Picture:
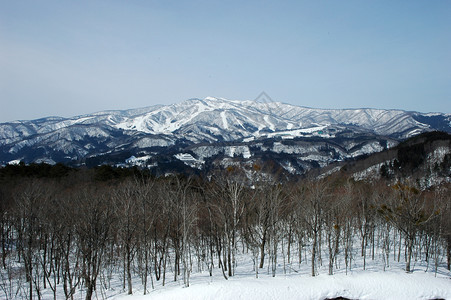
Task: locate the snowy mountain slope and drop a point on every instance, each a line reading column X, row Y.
column 249, row 118
column 194, row 121
column 424, row 159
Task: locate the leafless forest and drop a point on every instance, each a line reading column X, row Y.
column 78, row 230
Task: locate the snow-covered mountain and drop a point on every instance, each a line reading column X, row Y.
column 197, row 122
column 424, row 159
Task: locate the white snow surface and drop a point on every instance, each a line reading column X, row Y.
column 357, row 286
column 370, row 284
column 231, row 115
column 375, row 282
column 291, row 281
column 14, row 162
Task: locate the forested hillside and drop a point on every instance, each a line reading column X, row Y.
column 69, row 230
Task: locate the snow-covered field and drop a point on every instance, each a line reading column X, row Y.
column 372, row 283
column 297, row 283
column 358, row 285
column 292, row 281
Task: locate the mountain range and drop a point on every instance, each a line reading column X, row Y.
column 201, row 134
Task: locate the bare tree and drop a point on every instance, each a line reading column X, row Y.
column 335, row 218
column 313, row 206
column 407, row 211
column 125, row 199
column 29, row 200
column 229, row 191
column 365, row 218
column 94, row 218
column 147, row 212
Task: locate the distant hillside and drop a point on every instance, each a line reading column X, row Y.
column 425, row 158
column 211, row 127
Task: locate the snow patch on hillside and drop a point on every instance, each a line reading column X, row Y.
column 152, row 142
column 438, row 155
column 243, row 151
column 224, row 120
column 372, row 172
column 368, row 149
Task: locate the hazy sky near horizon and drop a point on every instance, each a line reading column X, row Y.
column 67, row 58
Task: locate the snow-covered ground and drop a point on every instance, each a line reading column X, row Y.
column 358, row 285
column 293, row 283
column 297, row 283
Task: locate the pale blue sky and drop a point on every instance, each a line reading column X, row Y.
column 74, row 57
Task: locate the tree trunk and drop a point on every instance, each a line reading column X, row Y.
column 448, row 252
column 331, row 255
column 409, row 254
column 289, row 245
column 314, row 253
column 262, row 250
column 146, row 265
column 229, row 260
column 89, row 291
column 129, row 273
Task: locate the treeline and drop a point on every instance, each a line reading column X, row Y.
column 80, row 229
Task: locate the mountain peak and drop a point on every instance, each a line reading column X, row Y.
column 209, row 98
column 207, row 120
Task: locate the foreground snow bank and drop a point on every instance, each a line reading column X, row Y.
column 356, row 285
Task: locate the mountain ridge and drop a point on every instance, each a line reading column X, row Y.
column 150, row 130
